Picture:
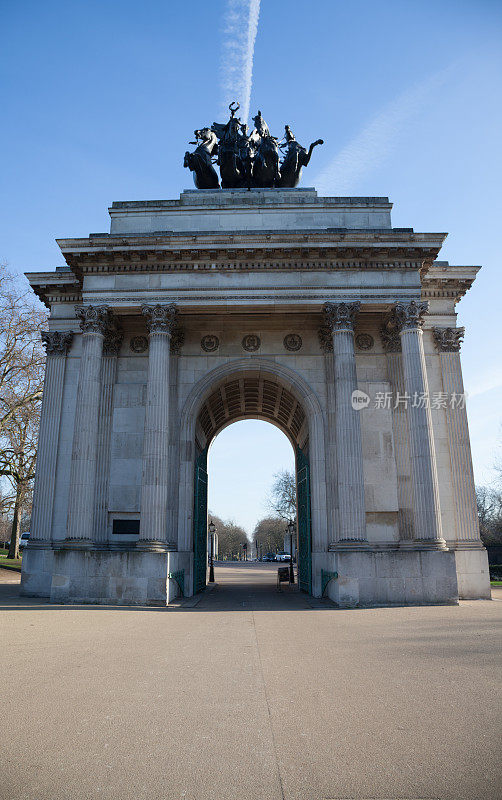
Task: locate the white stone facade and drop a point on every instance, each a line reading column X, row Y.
column 269, row 304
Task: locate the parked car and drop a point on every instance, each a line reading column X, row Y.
column 23, row 539
column 269, row 557
column 282, row 557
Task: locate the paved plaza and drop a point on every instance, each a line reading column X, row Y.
column 248, row 694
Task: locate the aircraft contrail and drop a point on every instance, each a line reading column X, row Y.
column 239, row 35
column 370, row 148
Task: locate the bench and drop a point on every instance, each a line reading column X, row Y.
column 282, row 576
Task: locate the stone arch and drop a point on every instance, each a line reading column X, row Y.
column 312, row 427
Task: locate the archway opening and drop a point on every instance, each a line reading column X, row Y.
column 258, row 397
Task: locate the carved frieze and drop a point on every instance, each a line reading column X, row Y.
column 160, row 318
column 57, row 343
column 448, row 340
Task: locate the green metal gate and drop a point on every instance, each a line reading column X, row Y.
column 304, row 521
column 200, row 523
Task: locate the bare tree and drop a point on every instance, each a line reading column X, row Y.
column 22, row 359
column 268, row 535
column 231, row 537
column 489, row 514
column 282, row 499
column 17, row 463
column 22, row 356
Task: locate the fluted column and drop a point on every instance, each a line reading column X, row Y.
column 111, row 347
column 161, row 321
column 448, row 342
column 391, row 342
column 339, row 321
column 57, row 344
column 408, row 318
column 95, row 320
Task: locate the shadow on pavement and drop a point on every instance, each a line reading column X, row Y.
column 238, row 587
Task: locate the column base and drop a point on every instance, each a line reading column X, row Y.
column 467, row 544
column 74, row 544
column 423, row 544
column 153, row 546
column 352, row 545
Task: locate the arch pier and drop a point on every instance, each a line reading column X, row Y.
column 311, row 313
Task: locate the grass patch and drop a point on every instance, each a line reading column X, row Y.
column 12, row 563
column 496, row 583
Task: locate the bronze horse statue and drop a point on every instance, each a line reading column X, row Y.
column 200, row 162
column 295, row 159
column 246, row 161
column 232, row 150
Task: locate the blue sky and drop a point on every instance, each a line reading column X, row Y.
column 100, row 99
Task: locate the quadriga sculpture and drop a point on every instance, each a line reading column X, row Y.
column 246, row 161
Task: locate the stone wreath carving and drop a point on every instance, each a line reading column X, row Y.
column 293, row 342
column 138, row 344
column 209, row 343
column 251, row 343
column 364, row 341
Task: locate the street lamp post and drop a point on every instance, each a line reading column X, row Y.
column 212, row 531
column 291, row 528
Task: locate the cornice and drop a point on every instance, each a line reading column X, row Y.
column 169, row 240
column 56, row 287
column 446, row 280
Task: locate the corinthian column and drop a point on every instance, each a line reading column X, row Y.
column 161, row 321
column 339, row 322
column 408, row 318
column 111, row 347
column 94, row 322
column 391, row 342
column 448, row 341
column 57, row 344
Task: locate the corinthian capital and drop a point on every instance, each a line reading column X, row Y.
column 160, row 319
column 340, row 316
column 448, row 340
column 409, row 315
column 57, row 343
column 113, row 338
column 391, row 341
column 93, row 319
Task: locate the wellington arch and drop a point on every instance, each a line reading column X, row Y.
column 312, row 313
